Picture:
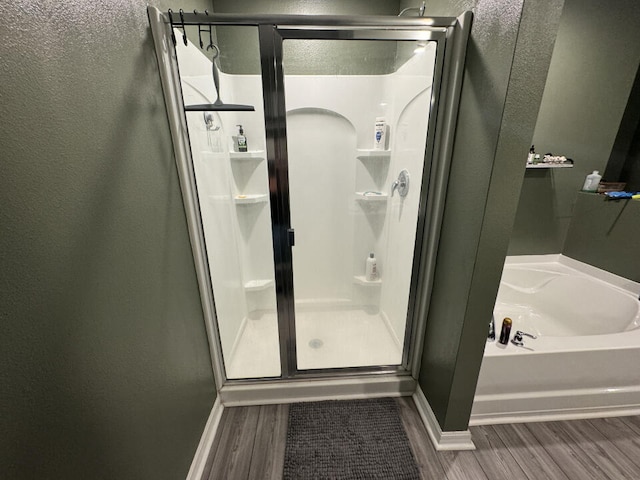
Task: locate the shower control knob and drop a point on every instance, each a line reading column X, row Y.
column 401, row 184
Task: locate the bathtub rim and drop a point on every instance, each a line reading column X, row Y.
column 622, row 283
column 629, row 338
column 602, row 395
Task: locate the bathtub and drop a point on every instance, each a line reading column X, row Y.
column 585, row 361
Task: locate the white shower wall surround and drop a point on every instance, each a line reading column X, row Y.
column 330, row 119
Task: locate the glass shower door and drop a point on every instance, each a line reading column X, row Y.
column 357, row 120
column 233, row 193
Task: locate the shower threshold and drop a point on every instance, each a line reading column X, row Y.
column 326, row 338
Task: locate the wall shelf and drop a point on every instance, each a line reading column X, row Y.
column 250, row 199
column 257, row 285
column 360, row 196
column 367, row 154
column 257, row 155
column 549, row 165
column 362, row 280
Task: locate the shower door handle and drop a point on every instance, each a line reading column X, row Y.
column 291, row 237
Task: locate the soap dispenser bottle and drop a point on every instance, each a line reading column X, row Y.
column 372, row 268
column 241, row 140
column 591, row 182
column 532, row 154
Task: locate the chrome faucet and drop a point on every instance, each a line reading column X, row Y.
column 518, row 339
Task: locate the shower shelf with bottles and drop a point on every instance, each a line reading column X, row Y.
column 373, row 154
column 256, row 155
column 362, row 280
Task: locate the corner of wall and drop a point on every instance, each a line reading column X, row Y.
column 493, row 135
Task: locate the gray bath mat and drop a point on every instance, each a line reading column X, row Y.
column 349, row 439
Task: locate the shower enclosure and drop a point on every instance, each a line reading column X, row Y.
column 282, row 230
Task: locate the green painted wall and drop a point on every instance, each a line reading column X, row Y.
column 592, row 70
column 104, row 362
column 239, row 53
column 605, row 233
column 497, row 115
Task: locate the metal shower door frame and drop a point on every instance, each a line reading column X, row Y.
column 451, row 35
column 271, row 52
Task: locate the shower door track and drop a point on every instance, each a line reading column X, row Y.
column 451, row 35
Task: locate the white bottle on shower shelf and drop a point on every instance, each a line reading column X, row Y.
column 372, row 269
column 591, row 182
column 381, row 134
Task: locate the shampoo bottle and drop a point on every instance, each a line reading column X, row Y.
column 372, row 268
column 591, row 182
column 505, row 332
column 381, row 134
column 241, row 140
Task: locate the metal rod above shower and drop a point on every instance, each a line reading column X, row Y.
column 351, row 21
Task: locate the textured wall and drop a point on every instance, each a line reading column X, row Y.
column 499, row 100
column 104, row 362
column 592, row 70
column 309, row 57
column 605, row 233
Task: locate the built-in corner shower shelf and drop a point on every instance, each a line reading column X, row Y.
column 256, row 155
column 371, row 196
column 362, row 280
column 367, row 154
column 257, row 285
column 250, row 199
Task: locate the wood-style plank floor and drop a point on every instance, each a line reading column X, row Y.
column 250, row 444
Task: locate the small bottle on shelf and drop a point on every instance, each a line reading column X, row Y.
column 241, row 140
column 591, row 182
column 532, row 153
column 372, row 269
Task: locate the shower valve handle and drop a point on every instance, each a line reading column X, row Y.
column 401, row 184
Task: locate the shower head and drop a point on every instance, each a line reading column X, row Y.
column 420, row 10
column 218, row 105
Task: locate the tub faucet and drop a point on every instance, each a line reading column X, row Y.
column 518, row 338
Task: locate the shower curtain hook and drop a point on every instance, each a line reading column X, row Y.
column 173, row 35
column 195, row 12
column 184, row 30
column 200, row 35
column 214, row 46
column 211, row 44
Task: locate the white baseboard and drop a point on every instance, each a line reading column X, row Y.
column 314, row 390
column 555, row 405
column 206, row 440
column 441, row 440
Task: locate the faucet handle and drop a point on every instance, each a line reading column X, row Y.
column 521, row 334
column 394, row 186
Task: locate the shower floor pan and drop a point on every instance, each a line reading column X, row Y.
column 327, row 338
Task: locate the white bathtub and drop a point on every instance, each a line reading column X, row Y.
column 585, row 361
